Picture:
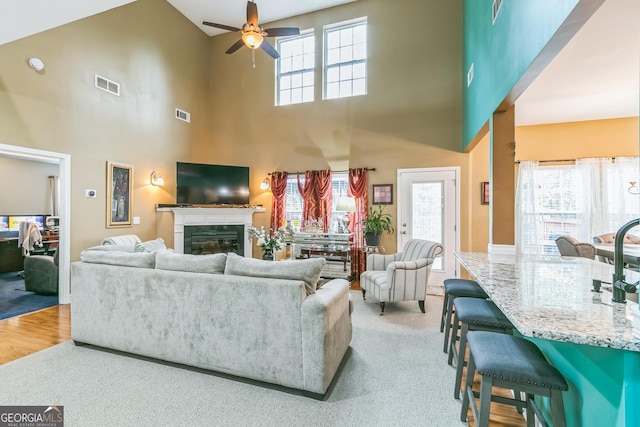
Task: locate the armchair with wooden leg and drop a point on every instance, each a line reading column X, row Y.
column 402, row 276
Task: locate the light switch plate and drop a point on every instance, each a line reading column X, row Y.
column 136, row 220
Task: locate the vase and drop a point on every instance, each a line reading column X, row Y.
column 372, row 239
column 267, row 255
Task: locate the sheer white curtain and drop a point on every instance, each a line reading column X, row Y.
column 528, row 227
column 620, row 206
column 591, row 187
column 582, row 200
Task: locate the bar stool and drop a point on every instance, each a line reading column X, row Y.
column 514, row 363
column 473, row 314
column 454, row 288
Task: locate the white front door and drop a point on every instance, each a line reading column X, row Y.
column 428, row 209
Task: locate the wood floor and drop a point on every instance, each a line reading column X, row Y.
column 32, row 332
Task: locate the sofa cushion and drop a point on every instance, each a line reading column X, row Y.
column 127, row 259
column 212, row 264
column 151, row 245
column 307, row 270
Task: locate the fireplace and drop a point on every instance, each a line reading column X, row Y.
column 213, row 239
column 229, row 226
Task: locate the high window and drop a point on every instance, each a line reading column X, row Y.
column 345, row 60
column 295, row 69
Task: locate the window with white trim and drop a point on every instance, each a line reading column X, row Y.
column 345, row 60
column 295, row 72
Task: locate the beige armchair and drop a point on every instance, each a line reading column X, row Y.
column 610, row 238
column 402, row 276
column 569, row 246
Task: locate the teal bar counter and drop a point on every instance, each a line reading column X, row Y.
column 550, row 300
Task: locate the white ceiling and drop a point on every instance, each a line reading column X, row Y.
column 596, row 76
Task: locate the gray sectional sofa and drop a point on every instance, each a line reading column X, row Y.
column 262, row 320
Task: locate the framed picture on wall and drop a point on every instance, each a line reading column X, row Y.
column 119, row 194
column 383, row 194
column 484, row 193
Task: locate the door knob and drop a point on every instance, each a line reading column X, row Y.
column 404, row 232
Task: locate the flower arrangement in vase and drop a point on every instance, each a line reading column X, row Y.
column 269, row 243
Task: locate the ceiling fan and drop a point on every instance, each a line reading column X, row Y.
column 253, row 34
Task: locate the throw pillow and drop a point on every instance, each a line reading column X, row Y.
column 151, row 245
column 128, row 259
column 211, row 264
column 307, row 270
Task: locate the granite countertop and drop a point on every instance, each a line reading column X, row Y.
column 551, row 297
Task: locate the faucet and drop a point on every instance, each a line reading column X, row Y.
column 620, row 287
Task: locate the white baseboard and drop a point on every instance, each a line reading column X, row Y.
column 501, row 249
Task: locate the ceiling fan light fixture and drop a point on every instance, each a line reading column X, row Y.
column 252, row 39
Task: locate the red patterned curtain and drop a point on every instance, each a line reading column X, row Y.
column 316, row 196
column 278, row 203
column 359, row 189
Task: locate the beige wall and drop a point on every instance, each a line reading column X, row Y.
column 478, row 231
column 25, row 187
column 596, row 138
column 411, row 116
column 161, row 61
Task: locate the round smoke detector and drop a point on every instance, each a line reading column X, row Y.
column 36, row 64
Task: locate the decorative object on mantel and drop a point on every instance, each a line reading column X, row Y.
column 119, row 194
column 633, row 188
column 376, row 223
column 269, row 243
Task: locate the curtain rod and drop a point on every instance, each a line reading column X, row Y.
column 345, row 171
column 565, row 160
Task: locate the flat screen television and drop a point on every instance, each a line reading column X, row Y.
column 202, row 184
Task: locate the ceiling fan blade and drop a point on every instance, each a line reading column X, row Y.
column 266, row 46
column 252, row 14
column 285, row 31
column 237, row 45
column 221, row 26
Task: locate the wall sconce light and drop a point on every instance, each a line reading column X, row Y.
column 633, row 188
column 156, row 179
column 265, row 184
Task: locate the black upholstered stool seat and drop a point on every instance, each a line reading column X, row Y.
column 473, row 314
column 454, row 288
column 515, row 363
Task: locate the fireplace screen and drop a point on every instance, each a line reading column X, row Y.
column 213, row 239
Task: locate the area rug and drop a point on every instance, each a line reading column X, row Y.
column 15, row 300
column 394, row 374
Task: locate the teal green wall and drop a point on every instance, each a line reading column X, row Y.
column 604, row 383
column 503, row 51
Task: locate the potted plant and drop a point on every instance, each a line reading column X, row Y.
column 376, row 223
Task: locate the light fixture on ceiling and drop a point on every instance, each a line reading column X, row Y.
column 252, row 38
column 265, row 184
column 346, row 205
column 36, row 64
column 156, row 179
column 633, row 188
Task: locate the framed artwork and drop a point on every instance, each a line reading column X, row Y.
column 119, row 195
column 484, row 193
column 383, row 194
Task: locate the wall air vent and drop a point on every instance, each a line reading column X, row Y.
column 183, row 115
column 495, row 8
column 470, row 74
column 107, row 85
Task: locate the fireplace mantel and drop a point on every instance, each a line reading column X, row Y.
column 211, row 216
